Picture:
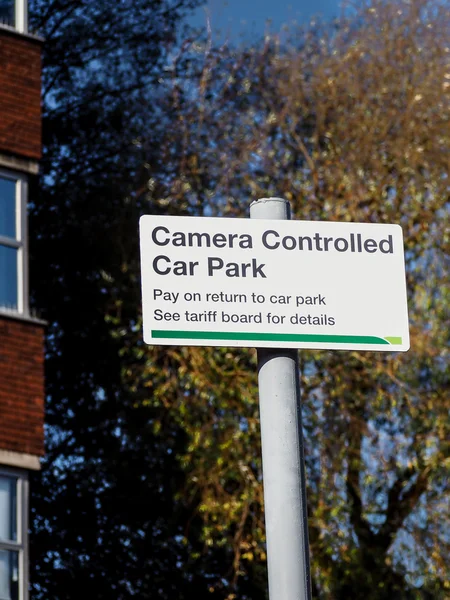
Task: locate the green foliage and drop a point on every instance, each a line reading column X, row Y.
column 106, row 521
column 155, row 451
column 348, row 124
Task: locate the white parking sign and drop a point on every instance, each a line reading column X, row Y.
column 261, row 283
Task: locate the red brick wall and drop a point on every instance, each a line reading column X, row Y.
column 21, row 386
column 20, row 95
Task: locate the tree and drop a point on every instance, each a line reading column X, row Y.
column 348, row 123
column 105, row 515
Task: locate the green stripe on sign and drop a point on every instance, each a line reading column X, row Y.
column 268, row 337
column 394, row 340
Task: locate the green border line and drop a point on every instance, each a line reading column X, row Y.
column 394, row 340
column 270, row 337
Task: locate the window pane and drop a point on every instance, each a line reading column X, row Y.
column 7, row 12
column 8, row 508
column 8, row 277
column 9, row 575
column 7, row 205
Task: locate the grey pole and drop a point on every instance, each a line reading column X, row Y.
column 282, row 456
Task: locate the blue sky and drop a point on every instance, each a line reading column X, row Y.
column 235, row 18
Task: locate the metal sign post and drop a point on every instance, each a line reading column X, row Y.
column 269, row 282
column 282, row 455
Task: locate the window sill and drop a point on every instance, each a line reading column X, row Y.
column 20, row 460
column 24, row 165
column 23, row 34
column 17, row 316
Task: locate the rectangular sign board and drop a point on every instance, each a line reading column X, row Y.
column 273, row 283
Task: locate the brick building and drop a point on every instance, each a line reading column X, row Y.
column 21, row 335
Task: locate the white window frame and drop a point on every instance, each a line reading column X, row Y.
column 20, row 15
column 21, row 545
column 20, row 241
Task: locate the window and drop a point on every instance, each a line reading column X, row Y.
column 7, row 16
column 13, row 536
column 14, row 13
column 13, row 292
